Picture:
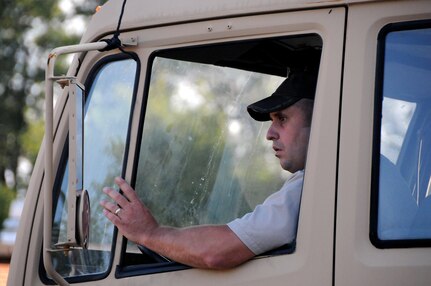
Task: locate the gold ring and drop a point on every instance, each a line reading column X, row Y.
column 117, row 211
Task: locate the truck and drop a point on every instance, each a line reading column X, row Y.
column 157, row 93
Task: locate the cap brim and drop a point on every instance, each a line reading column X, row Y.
column 261, row 109
column 297, row 86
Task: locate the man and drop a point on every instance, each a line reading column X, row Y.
column 270, row 225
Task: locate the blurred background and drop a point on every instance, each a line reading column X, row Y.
column 29, row 29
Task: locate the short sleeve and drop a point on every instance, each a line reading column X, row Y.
column 274, row 222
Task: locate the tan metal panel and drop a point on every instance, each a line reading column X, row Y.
column 357, row 261
column 165, row 12
column 311, row 264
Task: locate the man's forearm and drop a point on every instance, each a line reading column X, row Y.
column 211, row 247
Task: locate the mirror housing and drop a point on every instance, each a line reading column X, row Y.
column 48, row 179
column 78, row 202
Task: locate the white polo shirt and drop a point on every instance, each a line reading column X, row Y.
column 274, row 222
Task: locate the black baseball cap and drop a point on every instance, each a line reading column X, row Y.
column 298, row 85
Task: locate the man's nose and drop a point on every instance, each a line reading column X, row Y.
column 271, row 134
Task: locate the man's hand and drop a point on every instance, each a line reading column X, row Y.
column 202, row 246
column 133, row 219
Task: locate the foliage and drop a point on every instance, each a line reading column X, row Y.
column 17, row 76
column 31, row 139
column 6, row 197
column 30, row 28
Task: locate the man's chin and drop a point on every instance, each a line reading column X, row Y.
column 285, row 165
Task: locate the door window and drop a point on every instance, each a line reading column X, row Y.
column 107, row 113
column 202, row 158
column 403, row 203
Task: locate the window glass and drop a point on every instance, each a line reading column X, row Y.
column 404, row 202
column 395, row 122
column 203, row 159
column 106, row 121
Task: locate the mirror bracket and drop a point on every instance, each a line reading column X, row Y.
column 80, row 198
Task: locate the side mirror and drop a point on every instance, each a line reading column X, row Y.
column 76, row 164
column 78, row 202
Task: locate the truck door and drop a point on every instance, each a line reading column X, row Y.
column 196, row 157
column 383, row 208
column 170, row 116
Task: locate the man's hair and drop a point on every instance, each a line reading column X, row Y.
column 306, row 106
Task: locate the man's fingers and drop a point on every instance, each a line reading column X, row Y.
column 116, row 196
column 111, row 207
column 112, row 217
column 128, row 191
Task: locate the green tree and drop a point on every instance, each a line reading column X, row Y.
column 29, row 29
column 6, row 197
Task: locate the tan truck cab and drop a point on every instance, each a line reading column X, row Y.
column 166, row 109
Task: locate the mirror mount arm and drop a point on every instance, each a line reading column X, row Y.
column 49, row 139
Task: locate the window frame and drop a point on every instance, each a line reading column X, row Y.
column 64, row 158
column 376, row 145
column 128, row 267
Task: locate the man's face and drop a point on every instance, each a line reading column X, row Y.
column 289, row 133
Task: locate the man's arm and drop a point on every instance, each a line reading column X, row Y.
column 206, row 246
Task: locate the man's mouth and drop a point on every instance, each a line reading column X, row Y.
column 277, row 150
